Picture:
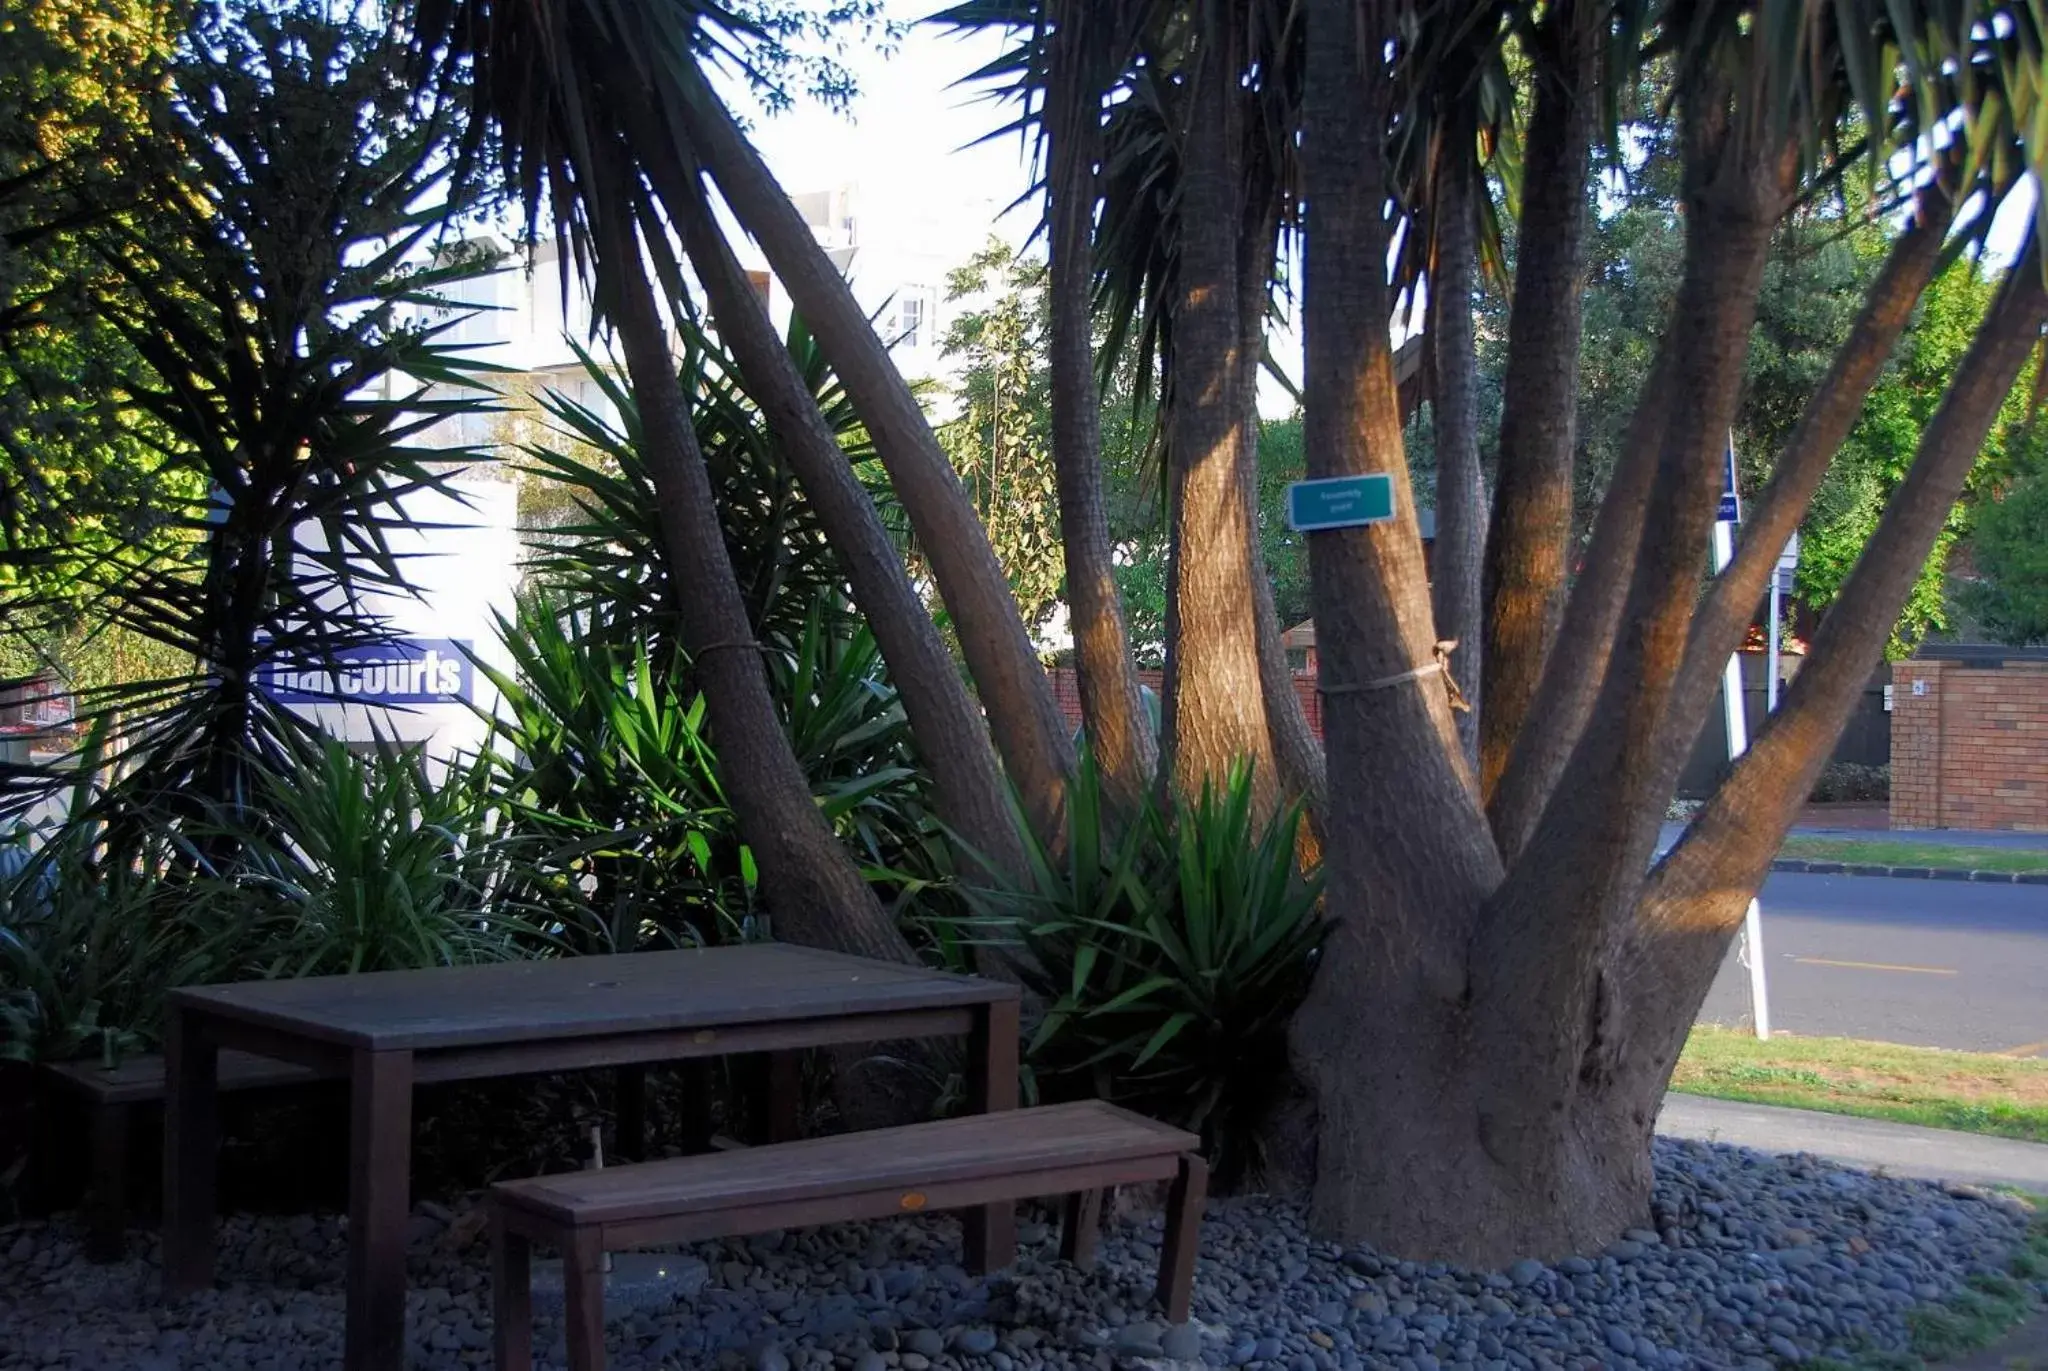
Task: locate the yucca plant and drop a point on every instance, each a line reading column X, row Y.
column 273, row 276
column 611, row 551
column 599, row 755
column 1170, row 947
column 88, row 946
column 366, row 861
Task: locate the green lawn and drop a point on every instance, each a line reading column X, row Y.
column 1975, row 1092
column 1907, row 852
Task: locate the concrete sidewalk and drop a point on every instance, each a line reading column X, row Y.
column 1895, row 1148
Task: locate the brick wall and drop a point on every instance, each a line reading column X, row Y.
column 1970, row 745
column 1067, row 690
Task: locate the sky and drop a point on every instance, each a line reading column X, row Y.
column 912, row 133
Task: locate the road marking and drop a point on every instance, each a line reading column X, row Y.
column 2026, row 1050
column 1878, row 966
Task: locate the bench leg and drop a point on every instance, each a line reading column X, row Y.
column 107, row 1200
column 511, row 1298
column 1079, row 1227
column 629, row 1102
column 1183, row 1236
column 583, row 1296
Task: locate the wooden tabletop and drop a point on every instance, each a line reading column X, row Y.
column 570, row 997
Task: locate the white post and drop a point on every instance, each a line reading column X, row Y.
column 1751, row 949
column 1771, row 681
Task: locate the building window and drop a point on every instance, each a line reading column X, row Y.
column 910, row 320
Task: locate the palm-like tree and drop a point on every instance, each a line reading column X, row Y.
column 583, row 101
column 1553, row 976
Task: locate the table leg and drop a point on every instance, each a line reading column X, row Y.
column 1080, row 1226
column 380, row 1177
column 191, row 1151
column 107, row 1204
column 785, row 1096
column 991, row 1231
column 693, row 1133
column 629, row 1101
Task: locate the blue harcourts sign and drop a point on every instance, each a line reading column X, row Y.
column 404, row 671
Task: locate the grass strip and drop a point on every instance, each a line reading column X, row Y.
column 1904, row 852
column 1971, row 1092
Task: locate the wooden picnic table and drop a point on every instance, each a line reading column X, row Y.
column 385, row 1032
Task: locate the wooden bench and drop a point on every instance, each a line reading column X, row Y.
column 110, row 1096
column 1076, row 1150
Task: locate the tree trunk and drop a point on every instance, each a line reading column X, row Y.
column 1126, row 747
column 1023, row 715
column 814, row 891
column 952, row 738
column 1458, row 556
column 1477, row 1015
column 1532, row 509
column 1408, row 859
column 1215, row 706
column 1297, row 753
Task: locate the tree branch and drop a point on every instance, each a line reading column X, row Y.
column 1023, row 715
column 1395, row 773
column 1537, row 958
column 1126, row 748
column 1707, row 877
column 1532, row 507
column 1831, row 412
column 1457, row 561
column 951, row 734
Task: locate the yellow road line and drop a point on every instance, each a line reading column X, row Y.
column 2026, row 1050
column 1878, row 966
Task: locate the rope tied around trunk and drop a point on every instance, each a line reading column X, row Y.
column 1441, row 666
column 734, row 645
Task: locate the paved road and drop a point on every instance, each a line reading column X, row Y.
column 1934, row 963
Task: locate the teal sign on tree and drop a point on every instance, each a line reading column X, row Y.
column 1340, row 502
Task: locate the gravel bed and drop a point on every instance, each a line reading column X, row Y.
column 1754, row 1261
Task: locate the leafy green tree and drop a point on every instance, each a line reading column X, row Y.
column 78, row 83
column 1880, row 451
column 1000, row 442
column 2009, row 592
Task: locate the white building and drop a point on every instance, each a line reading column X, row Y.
column 896, row 258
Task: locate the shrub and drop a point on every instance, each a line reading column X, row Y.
column 1852, row 782
column 1170, row 948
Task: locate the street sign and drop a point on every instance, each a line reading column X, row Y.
column 1731, row 503
column 1340, row 502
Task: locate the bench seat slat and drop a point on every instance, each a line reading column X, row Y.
column 919, row 1155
